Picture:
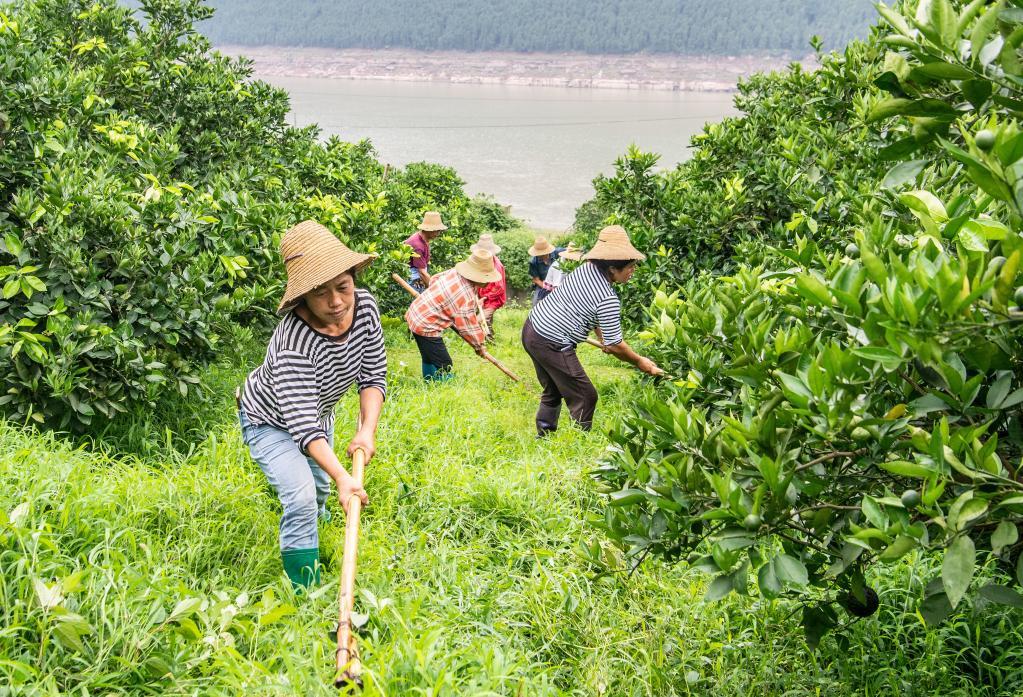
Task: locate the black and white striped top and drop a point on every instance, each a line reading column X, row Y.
column 306, row 372
column 584, row 300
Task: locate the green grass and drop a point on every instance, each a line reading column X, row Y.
column 468, row 571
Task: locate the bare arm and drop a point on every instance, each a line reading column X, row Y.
column 371, row 402
column 324, row 456
column 426, row 276
column 623, row 352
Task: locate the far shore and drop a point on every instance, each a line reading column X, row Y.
column 629, row 72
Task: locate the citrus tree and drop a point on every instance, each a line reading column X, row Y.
column 855, row 397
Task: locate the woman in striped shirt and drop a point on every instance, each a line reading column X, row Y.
column 584, row 302
column 329, row 339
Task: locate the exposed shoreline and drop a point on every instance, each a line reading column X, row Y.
column 628, row 72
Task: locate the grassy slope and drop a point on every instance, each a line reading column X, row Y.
column 467, row 556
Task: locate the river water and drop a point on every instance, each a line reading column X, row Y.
column 535, row 148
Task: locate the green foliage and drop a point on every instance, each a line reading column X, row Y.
column 144, row 184
column 797, row 161
column 160, row 574
column 594, row 26
column 821, row 385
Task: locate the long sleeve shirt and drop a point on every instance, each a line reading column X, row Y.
column 306, row 372
column 450, row 300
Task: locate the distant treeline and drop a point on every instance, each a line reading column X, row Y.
column 591, row 26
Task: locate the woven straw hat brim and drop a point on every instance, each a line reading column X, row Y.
column 440, row 227
column 540, row 250
column 613, row 244
column 492, row 248
column 467, row 270
column 331, row 267
column 313, row 256
column 572, row 254
column 614, row 252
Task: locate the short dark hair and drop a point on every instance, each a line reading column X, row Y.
column 606, row 265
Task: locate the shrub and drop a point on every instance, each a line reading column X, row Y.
column 144, row 185
column 847, row 405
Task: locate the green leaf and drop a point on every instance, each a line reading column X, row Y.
column 627, row 497
column 943, row 19
column 957, row 568
column 982, row 30
column 767, row 580
column 812, row 288
column 791, row 570
column 942, row 71
column 926, row 203
column 1005, row 535
column 888, row 359
column 907, row 469
column 69, row 637
column 184, row 608
column 718, row 589
column 896, row 550
column 972, row 240
column 903, row 173
column 1001, row 595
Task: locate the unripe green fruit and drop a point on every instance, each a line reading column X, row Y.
column 865, row 609
column 752, row 522
column 910, row 498
column 860, row 434
column 985, row 140
column 222, row 302
column 1018, row 297
column 852, row 251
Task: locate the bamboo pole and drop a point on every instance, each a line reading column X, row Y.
column 348, row 664
column 486, row 354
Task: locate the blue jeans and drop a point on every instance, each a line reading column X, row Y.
column 301, row 485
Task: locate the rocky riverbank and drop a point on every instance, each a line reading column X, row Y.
column 633, row 72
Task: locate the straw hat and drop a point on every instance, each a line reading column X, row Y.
column 432, row 222
column 572, row 253
column 487, row 242
column 540, row 247
column 479, row 267
column 313, row 256
column 613, row 244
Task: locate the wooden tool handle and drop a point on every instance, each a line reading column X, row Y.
column 346, row 594
column 404, row 284
column 501, row 366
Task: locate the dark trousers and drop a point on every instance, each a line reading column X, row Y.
column 436, row 359
column 562, row 377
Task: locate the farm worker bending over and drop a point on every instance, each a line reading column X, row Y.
column 429, row 229
column 494, row 295
column 543, row 254
column 555, row 276
column 584, row 302
column 451, row 300
column 329, row 339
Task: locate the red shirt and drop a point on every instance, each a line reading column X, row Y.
column 494, row 294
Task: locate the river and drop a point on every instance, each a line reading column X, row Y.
column 535, row 148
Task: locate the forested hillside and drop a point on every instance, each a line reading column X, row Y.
column 591, row 26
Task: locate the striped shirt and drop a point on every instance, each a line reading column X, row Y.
column 306, row 372
column 449, row 300
column 583, row 301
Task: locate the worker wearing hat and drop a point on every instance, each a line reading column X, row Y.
column 451, row 301
column 329, row 339
column 419, row 241
column 493, row 295
column 586, row 301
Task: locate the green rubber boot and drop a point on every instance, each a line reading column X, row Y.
column 302, row 566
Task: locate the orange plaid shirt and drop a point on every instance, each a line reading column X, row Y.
column 449, row 300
